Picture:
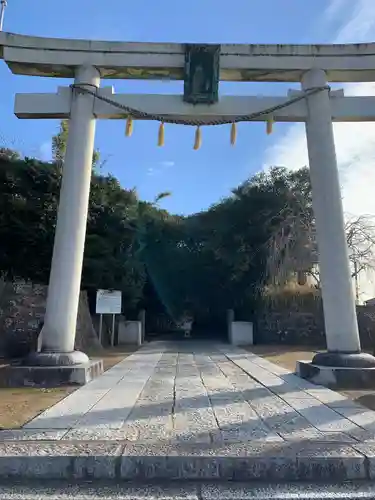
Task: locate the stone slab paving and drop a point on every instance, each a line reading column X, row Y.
column 195, row 411
column 61, row 490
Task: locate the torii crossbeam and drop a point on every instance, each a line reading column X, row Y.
column 57, row 106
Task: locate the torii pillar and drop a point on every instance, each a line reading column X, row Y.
column 58, row 333
column 343, row 343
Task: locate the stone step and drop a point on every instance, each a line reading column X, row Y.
column 302, row 461
column 188, row 491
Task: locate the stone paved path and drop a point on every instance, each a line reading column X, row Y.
column 61, row 490
column 200, row 393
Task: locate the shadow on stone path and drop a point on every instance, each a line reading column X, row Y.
column 202, row 393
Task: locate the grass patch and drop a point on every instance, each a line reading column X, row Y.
column 22, row 404
column 287, row 356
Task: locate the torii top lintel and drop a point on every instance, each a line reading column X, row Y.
column 58, row 57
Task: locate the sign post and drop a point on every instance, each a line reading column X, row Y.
column 100, row 328
column 108, row 302
column 113, row 330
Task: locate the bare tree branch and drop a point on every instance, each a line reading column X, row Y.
column 293, row 248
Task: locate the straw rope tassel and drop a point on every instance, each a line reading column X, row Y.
column 129, row 126
column 233, row 134
column 198, row 138
column 161, row 134
column 269, row 125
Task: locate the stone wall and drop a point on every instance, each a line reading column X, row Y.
column 306, row 327
column 366, row 324
column 22, row 308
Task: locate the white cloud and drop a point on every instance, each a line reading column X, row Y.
column 45, row 151
column 167, row 164
column 355, row 142
column 334, row 9
column 160, row 167
column 360, row 23
column 355, row 149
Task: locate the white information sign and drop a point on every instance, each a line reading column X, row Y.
column 108, row 302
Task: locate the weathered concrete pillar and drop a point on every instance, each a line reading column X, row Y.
column 59, row 328
column 142, row 319
column 230, row 319
column 335, row 275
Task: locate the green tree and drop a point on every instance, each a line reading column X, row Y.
column 206, row 263
column 9, row 154
column 59, row 143
column 28, row 202
column 111, row 259
column 29, row 193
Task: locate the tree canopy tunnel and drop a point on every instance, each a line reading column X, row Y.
column 183, row 279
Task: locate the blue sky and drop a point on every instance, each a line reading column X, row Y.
column 196, row 178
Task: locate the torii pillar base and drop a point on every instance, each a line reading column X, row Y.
column 51, row 359
column 340, row 370
column 38, row 375
column 346, row 371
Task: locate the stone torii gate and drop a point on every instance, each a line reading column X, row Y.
column 90, row 61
